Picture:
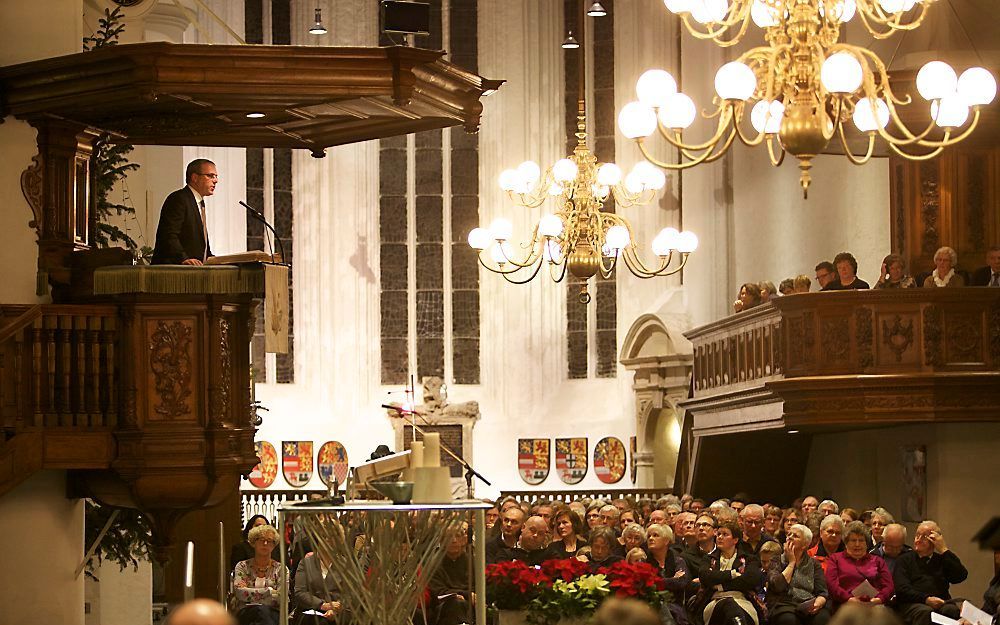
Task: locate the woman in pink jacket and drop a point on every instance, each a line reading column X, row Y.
column 848, row 570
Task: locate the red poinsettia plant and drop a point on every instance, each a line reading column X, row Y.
column 511, row 585
column 567, row 569
column 638, row 581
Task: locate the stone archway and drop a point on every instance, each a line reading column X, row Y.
column 661, row 360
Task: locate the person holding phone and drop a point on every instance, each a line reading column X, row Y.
column 893, row 274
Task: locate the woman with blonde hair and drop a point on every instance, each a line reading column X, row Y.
column 257, row 584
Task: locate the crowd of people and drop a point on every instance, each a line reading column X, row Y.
column 736, row 562
column 728, row 562
column 842, row 275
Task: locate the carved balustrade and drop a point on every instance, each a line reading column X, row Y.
column 850, row 358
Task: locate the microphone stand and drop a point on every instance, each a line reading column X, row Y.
column 260, row 217
column 469, row 471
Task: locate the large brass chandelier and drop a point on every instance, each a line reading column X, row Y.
column 579, row 236
column 805, row 85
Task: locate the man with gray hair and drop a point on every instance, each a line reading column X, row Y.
column 831, row 539
column 200, row 612
column 923, row 577
column 610, row 514
column 892, row 546
column 828, row 506
column 752, row 522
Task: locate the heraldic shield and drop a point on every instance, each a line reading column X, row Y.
column 571, row 459
column 533, row 459
column 297, row 462
column 331, row 462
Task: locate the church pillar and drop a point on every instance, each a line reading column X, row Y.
column 42, row 542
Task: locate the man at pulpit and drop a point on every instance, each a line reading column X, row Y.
column 182, row 233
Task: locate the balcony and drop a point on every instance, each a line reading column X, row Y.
column 825, row 362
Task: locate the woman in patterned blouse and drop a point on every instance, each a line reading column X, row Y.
column 257, row 581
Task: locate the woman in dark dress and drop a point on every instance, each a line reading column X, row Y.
column 729, row 583
column 672, row 568
column 568, row 535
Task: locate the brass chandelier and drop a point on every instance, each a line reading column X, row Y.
column 579, row 236
column 804, row 86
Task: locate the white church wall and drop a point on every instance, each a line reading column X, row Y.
column 778, row 234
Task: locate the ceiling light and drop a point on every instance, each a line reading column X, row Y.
column 318, row 28
column 596, row 10
column 255, row 115
column 570, row 43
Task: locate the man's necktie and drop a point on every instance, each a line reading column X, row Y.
column 204, row 231
column 996, row 280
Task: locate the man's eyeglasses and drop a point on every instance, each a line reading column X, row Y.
column 209, row 176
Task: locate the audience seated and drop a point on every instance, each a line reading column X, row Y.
column 602, row 542
column 990, row 274
column 244, row 550
column 729, row 582
column 847, row 274
column 749, row 297
column 893, row 275
column 672, row 567
column 880, row 518
column 796, row 592
column 317, row 591
column 752, row 522
column 634, row 535
column 533, row 544
column 787, row 286
column 944, row 275
column 767, row 291
column 831, row 534
column 257, row 580
column 828, row 506
column 991, row 598
column 449, row 586
column 568, row 535
column 892, row 546
column 923, row 577
column 809, row 504
column 826, row 276
column 848, row 569
column 503, row 546
column 802, row 283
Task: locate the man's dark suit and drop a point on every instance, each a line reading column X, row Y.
column 981, row 276
column 180, row 234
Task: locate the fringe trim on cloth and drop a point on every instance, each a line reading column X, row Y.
column 176, row 279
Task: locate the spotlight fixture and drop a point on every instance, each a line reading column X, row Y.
column 318, row 28
column 255, row 115
column 596, row 10
column 570, row 43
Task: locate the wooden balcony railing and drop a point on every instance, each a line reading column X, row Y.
column 58, row 367
column 850, row 357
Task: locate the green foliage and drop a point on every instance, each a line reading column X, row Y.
column 568, row 600
column 108, row 31
column 110, row 161
column 127, row 541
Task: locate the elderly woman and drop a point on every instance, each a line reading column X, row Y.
column 244, row 551
column 315, row 590
column 602, row 542
column 568, row 535
column 849, row 569
column 879, row 520
column 831, row 539
column 893, row 274
column 730, row 581
column 847, row 272
column 944, row 274
column 796, row 592
column 257, row 581
column 748, row 298
column 632, row 536
column 672, row 568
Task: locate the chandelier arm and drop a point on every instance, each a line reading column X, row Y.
column 531, row 202
column 678, row 142
column 533, row 252
column 562, row 271
column 725, row 147
column 873, row 17
column 606, row 272
column 515, row 268
column 917, row 157
column 667, row 165
column 770, row 151
column 921, row 138
column 850, row 155
column 749, row 142
column 538, row 267
column 736, row 16
column 639, row 269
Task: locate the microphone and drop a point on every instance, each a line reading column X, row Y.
column 259, row 216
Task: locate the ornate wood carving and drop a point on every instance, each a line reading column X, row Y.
column 170, row 361
column 995, row 334
column 864, row 336
column 835, row 338
column 932, row 336
column 898, row 337
column 975, row 200
column 225, row 368
column 31, row 187
column 964, row 338
column 930, row 204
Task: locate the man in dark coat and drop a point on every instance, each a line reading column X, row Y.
column 182, row 233
column 503, row 548
column 451, row 599
column 924, row 575
column 990, row 274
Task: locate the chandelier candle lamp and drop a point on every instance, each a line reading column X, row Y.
column 578, row 235
column 805, row 85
